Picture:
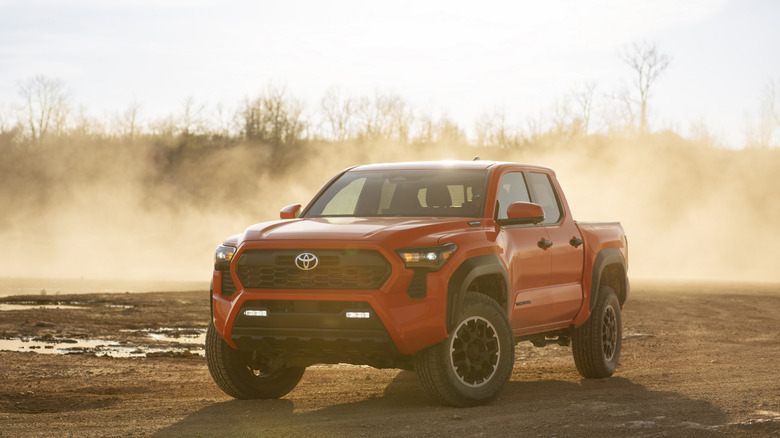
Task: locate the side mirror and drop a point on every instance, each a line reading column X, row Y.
column 290, row 212
column 523, row 213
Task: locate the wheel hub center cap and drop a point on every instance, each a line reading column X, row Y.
column 475, row 350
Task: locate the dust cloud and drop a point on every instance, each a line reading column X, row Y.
column 151, row 211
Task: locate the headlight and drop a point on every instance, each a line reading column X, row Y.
column 431, row 258
column 223, row 256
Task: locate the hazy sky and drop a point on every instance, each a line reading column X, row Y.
column 462, row 58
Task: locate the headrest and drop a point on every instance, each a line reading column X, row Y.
column 438, row 197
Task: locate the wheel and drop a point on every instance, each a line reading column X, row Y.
column 473, row 366
column 596, row 344
column 230, row 370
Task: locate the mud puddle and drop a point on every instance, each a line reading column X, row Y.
column 31, row 305
column 163, row 342
column 196, row 336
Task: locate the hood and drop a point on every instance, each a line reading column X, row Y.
column 402, row 231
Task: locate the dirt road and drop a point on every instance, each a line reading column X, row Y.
column 699, row 359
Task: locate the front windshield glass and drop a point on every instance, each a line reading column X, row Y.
column 413, row 193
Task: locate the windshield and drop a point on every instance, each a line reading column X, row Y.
column 415, row 193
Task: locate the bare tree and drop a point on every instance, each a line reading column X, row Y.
column 570, row 116
column 85, row 125
column 225, row 121
column 370, row 118
column 385, row 117
column 127, row 124
column 191, row 118
column 340, row 114
column 165, row 127
column 617, row 113
column 534, row 127
column 701, row 133
column 761, row 133
column 449, row 132
column 648, row 63
column 492, row 129
column 444, row 130
column 274, row 118
column 770, row 105
column 565, row 122
column 10, row 129
column 45, row 106
column 583, row 98
column 758, row 134
column 567, row 117
column 5, row 120
column 400, row 117
column 426, row 128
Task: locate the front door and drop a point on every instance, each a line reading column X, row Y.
column 530, row 265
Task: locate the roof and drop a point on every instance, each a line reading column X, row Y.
column 437, row 165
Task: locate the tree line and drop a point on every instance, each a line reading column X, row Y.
column 45, row 113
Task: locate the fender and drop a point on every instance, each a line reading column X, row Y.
column 470, row 269
column 211, row 299
column 606, row 257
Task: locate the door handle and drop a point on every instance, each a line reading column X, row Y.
column 544, row 244
column 575, row 242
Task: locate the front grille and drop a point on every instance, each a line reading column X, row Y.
column 336, row 269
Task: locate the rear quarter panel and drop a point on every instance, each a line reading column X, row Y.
column 597, row 237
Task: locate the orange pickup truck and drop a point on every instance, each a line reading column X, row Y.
column 437, row 267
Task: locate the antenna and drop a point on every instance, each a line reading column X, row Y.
column 476, row 158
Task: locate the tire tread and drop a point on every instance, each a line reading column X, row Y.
column 231, row 375
column 432, row 372
column 586, row 340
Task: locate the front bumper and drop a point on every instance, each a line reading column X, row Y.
column 307, row 332
column 313, row 323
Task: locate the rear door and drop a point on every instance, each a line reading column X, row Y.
column 567, row 251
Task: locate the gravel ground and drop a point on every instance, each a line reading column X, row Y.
column 699, row 359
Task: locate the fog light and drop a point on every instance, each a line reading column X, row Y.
column 256, row 312
column 358, row 315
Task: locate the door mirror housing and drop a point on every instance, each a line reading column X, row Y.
column 523, row 213
column 290, row 212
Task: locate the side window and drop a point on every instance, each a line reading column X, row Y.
column 511, row 189
column 546, row 197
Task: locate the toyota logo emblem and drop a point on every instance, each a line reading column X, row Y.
column 306, row 261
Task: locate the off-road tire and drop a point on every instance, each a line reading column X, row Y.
column 474, row 365
column 230, row 371
column 596, row 344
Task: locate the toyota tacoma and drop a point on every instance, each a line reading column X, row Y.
column 436, row 267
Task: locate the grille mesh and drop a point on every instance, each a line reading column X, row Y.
column 336, row 269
